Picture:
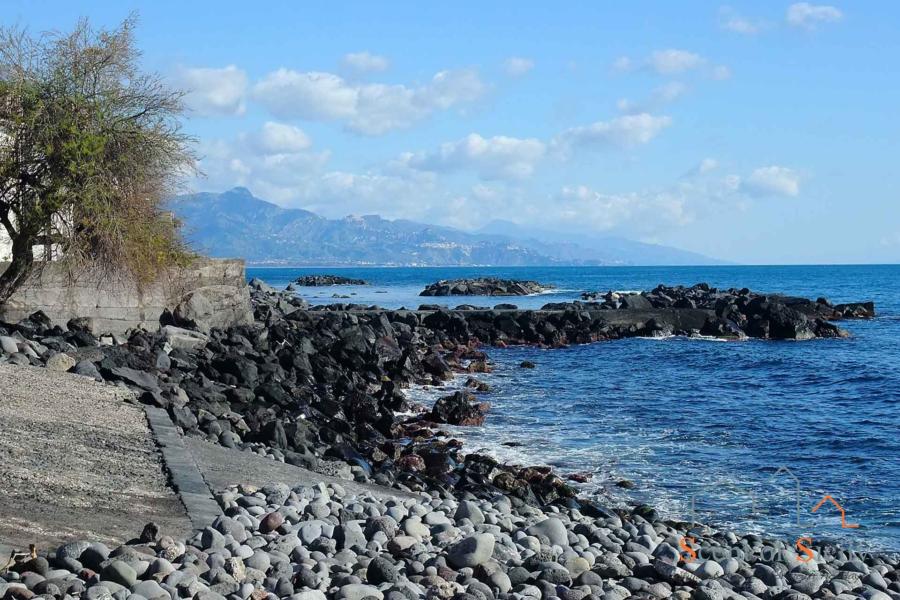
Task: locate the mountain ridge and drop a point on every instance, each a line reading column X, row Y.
column 237, row 223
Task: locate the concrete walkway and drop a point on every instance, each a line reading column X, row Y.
column 222, row 467
column 77, row 462
column 81, row 462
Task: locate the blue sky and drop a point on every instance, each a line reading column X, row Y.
column 763, row 132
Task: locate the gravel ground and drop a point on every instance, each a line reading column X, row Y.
column 77, row 462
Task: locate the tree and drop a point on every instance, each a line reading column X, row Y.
column 90, row 147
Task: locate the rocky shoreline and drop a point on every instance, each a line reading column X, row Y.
column 321, row 388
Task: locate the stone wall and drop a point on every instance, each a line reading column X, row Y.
column 212, row 292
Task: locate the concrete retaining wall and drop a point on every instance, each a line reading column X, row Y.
column 117, row 304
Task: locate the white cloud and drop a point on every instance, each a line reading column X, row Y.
column 704, row 167
column 623, row 64
column 772, row 181
column 280, row 138
column 339, row 193
column 212, row 91
column 365, row 62
column 370, row 108
column 586, row 208
column 669, row 92
column 311, row 95
column 660, row 96
column 674, row 62
column 452, row 87
column 720, row 73
column 707, row 165
column 498, row 157
column 730, row 20
column 808, row 16
column 414, row 187
column 625, row 131
column 516, row 66
column 276, row 154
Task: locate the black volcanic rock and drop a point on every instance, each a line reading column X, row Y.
column 320, row 280
column 484, row 286
column 459, row 408
column 737, row 312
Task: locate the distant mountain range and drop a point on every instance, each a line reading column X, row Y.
column 237, row 224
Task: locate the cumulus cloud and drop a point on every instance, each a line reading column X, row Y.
column 365, row 62
column 281, row 138
column 369, row 108
column 584, row 206
column 704, row 167
column 312, row 95
column 516, row 66
column 505, row 157
column 276, row 154
column 674, row 62
column 809, row 16
column 624, row 132
column 707, row 165
column 732, row 21
column 212, row 91
column 623, row 64
column 772, row 181
column 660, row 96
column 498, row 157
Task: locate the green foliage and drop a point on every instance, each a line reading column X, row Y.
column 89, row 148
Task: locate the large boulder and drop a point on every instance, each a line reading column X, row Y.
column 471, row 551
column 214, row 306
column 459, row 408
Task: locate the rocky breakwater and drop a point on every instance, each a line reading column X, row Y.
column 485, row 286
column 736, row 312
column 318, row 543
column 323, row 280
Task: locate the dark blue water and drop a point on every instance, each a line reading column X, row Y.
column 700, row 423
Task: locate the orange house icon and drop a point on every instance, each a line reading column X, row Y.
column 844, row 523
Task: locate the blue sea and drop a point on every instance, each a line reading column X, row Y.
column 750, row 435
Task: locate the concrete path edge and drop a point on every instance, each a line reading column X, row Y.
column 184, row 474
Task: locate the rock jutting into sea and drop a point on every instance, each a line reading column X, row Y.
column 484, row 286
column 323, row 280
column 727, row 301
